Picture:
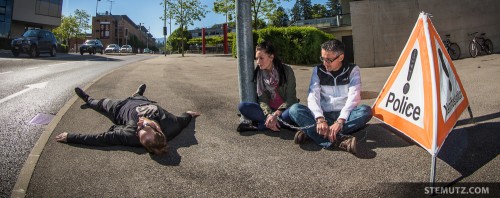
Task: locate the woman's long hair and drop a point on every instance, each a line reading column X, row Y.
column 268, row 48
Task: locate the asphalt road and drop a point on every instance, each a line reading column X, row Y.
column 40, row 87
column 210, row 159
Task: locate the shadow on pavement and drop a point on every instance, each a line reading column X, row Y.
column 470, row 148
column 185, row 139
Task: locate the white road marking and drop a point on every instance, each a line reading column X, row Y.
column 30, row 87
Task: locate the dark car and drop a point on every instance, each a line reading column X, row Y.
column 92, row 46
column 34, row 42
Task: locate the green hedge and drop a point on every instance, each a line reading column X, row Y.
column 62, row 48
column 294, row 45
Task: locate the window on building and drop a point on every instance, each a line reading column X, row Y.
column 104, row 30
column 49, row 7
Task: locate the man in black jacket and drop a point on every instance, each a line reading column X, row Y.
column 138, row 122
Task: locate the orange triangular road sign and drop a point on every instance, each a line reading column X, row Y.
column 423, row 97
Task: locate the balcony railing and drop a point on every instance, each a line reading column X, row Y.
column 336, row 21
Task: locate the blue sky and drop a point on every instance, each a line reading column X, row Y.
column 149, row 12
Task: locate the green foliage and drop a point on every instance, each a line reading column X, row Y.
column 279, row 18
column 213, row 40
column 62, row 48
column 82, row 21
column 68, row 29
column 176, row 38
column 185, row 12
column 261, row 10
column 294, row 45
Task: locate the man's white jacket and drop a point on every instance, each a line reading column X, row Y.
column 334, row 91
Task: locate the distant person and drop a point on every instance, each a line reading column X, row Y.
column 138, row 122
column 333, row 102
column 275, row 90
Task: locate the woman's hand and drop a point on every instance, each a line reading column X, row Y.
column 272, row 123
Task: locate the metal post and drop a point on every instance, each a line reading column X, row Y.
column 224, row 27
column 433, row 170
column 203, row 41
column 245, row 52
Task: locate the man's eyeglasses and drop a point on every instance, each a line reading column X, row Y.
column 145, row 124
column 328, row 60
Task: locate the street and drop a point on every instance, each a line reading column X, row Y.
column 40, row 86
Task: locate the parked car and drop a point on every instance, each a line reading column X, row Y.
column 112, row 48
column 91, row 46
column 146, row 51
column 126, row 49
column 34, row 42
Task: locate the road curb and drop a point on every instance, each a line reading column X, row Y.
column 29, row 166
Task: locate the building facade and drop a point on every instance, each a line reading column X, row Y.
column 381, row 28
column 17, row 16
column 121, row 30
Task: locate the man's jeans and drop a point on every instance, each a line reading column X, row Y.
column 253, row 112
column 358, row 118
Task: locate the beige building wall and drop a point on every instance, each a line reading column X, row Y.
column 24, row 10
column 381, row 28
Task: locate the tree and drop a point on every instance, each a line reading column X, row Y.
column 185, row 12
column 319, row 11
column 302, row 10
column 225, row 7
column 296, row 12
column 334, row 7
column 177, row 40
column 260, row 8
column 82, row 21
column 68, row 28
column 306, row 9
column 279, row 18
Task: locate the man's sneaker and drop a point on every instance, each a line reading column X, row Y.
column 140, row 90
column 81, row 94
column 246, row 127
column 347, row 143
column 300, row 137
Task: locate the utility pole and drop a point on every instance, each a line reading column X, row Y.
column 245, row 52
column 110, row 7
column 165, row 27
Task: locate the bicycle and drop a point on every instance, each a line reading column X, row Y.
column 452, row 48
column 479, row 44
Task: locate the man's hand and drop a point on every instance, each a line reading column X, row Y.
column 334, row 129
column 63, row 137
column 322, row 127
column 193, row 114
column 272, row 123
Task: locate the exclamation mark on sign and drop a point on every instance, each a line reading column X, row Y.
column 413, row 59
column 443, row 65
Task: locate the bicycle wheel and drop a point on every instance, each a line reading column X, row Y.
column 473, row 49
column 454, row 51
column 488, row 46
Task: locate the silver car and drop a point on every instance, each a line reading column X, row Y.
column 112, row 48
column 126, row 49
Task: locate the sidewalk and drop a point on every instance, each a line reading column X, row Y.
column 211, row 159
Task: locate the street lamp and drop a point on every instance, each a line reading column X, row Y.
column 97, row 4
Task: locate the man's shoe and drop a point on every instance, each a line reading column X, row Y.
column 81, row 94
column 300, row 137
column 140, row 90
column 246, row 127
column 347, row 143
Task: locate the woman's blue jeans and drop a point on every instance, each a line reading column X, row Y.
column 253, row 112
column 358, row 118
